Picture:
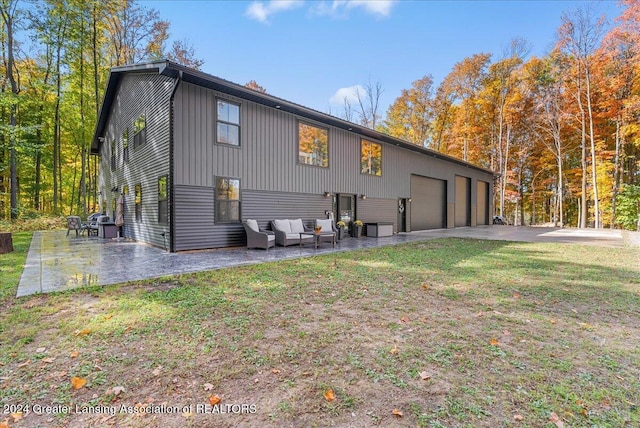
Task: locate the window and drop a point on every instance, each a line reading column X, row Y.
column 140, row 131
column 138, row 202
column 125, row 190
column 228, row 123
column 125, row 146
column 370, row 158
column 162, row 199
column 227, row 200
column 313, row 145
column 113, row 156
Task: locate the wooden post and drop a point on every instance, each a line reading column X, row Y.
column 6, row 242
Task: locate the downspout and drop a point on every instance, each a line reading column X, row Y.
column 172, row 193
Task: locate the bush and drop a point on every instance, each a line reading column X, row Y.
column 32, row 223
column 627, row 204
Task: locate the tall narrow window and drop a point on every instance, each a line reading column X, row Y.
column 228, row 131
column 140, row 131
column 113, row 155
column 370, row 158
column 138, row 202
column 313, row 145
column 125, row 146
column 162, row 199
column 227, row 200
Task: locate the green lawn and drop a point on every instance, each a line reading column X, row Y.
column 444, row 333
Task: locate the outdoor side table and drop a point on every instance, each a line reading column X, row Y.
column 317, row 236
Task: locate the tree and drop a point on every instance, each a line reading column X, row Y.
column 368, row 103
column 252, row 84
column 183, row 53
column 411, row 116
column 579, row 35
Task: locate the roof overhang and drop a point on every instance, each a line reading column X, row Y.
column 189, row 75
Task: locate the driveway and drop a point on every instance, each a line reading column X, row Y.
column 56, row 262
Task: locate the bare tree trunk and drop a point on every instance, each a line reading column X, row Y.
column 616, row 176
column 594, row 161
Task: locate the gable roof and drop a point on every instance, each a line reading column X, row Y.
column 196, row 77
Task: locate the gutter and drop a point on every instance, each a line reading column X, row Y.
column 172, row 193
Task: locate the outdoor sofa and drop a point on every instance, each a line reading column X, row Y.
column 288, row 232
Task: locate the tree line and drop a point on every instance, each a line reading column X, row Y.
column 562, row 131
column 56, row 56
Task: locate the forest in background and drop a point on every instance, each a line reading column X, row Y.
column 562, row 131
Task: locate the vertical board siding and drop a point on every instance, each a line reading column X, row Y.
column 138, row 94
column 267, row 206
column 373, row 210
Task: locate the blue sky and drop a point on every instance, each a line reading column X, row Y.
column 315, row 52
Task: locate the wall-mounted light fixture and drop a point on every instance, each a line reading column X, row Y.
column 363, row 197
column 327, row 194
column 409, row 200
column 114, row 189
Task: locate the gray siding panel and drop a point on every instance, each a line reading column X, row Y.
column 378, row 210
column 267, row 206
column 138, row 94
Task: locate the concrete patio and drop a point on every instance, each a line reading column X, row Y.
column 56, row 262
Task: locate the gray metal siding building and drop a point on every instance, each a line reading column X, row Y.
column 183, row 110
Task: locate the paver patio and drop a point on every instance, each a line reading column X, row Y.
column 56, row 262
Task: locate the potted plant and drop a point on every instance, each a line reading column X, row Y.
column 317, row 229
column 341, row 225
column 357, row 228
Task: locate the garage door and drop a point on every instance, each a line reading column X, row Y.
column 463, row 201
column 482, row 213
column 428, row 203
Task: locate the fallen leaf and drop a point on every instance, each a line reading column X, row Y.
column 329, row 395
column 207, row 387
column 108, row 317
column 556, row 420
column 275, row 371
column 117, row 390
column 74, row 354
column 494, row 342
column 78, row 382
column 425, row 376
column 404, row 319
column 425, row 286
column 26, row 363
column 394, row 350
column 16, row 416
column 82, row 332
column 506, row 333
column 187, row 414
column 552, row 321
column 479, row 314
column 397, row 412
column 156, row 371
column 516, row 296
column 518, row 418
column 40, row 350
column 4, row 424
column 48, row 360
column 214, row 399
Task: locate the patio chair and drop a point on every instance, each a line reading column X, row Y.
column 326, row 226
column 74, row 223
column 258, row 238
column 288, row 232
column 92, row 224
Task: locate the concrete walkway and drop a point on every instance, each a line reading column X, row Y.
column 56, row 262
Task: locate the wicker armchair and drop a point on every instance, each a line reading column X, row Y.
column 258, row 238
column 74, row 223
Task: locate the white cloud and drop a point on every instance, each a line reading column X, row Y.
column 339, row 7
column 261, row 11
column 350, row 94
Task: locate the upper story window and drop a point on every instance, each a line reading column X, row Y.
column 313, row 145
column 228, row 131
column 140, row 131
column 370, row 158
column 113, row 155
column 227, row 204
column 125, row 145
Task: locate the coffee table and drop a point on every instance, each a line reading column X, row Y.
column 317, row 237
